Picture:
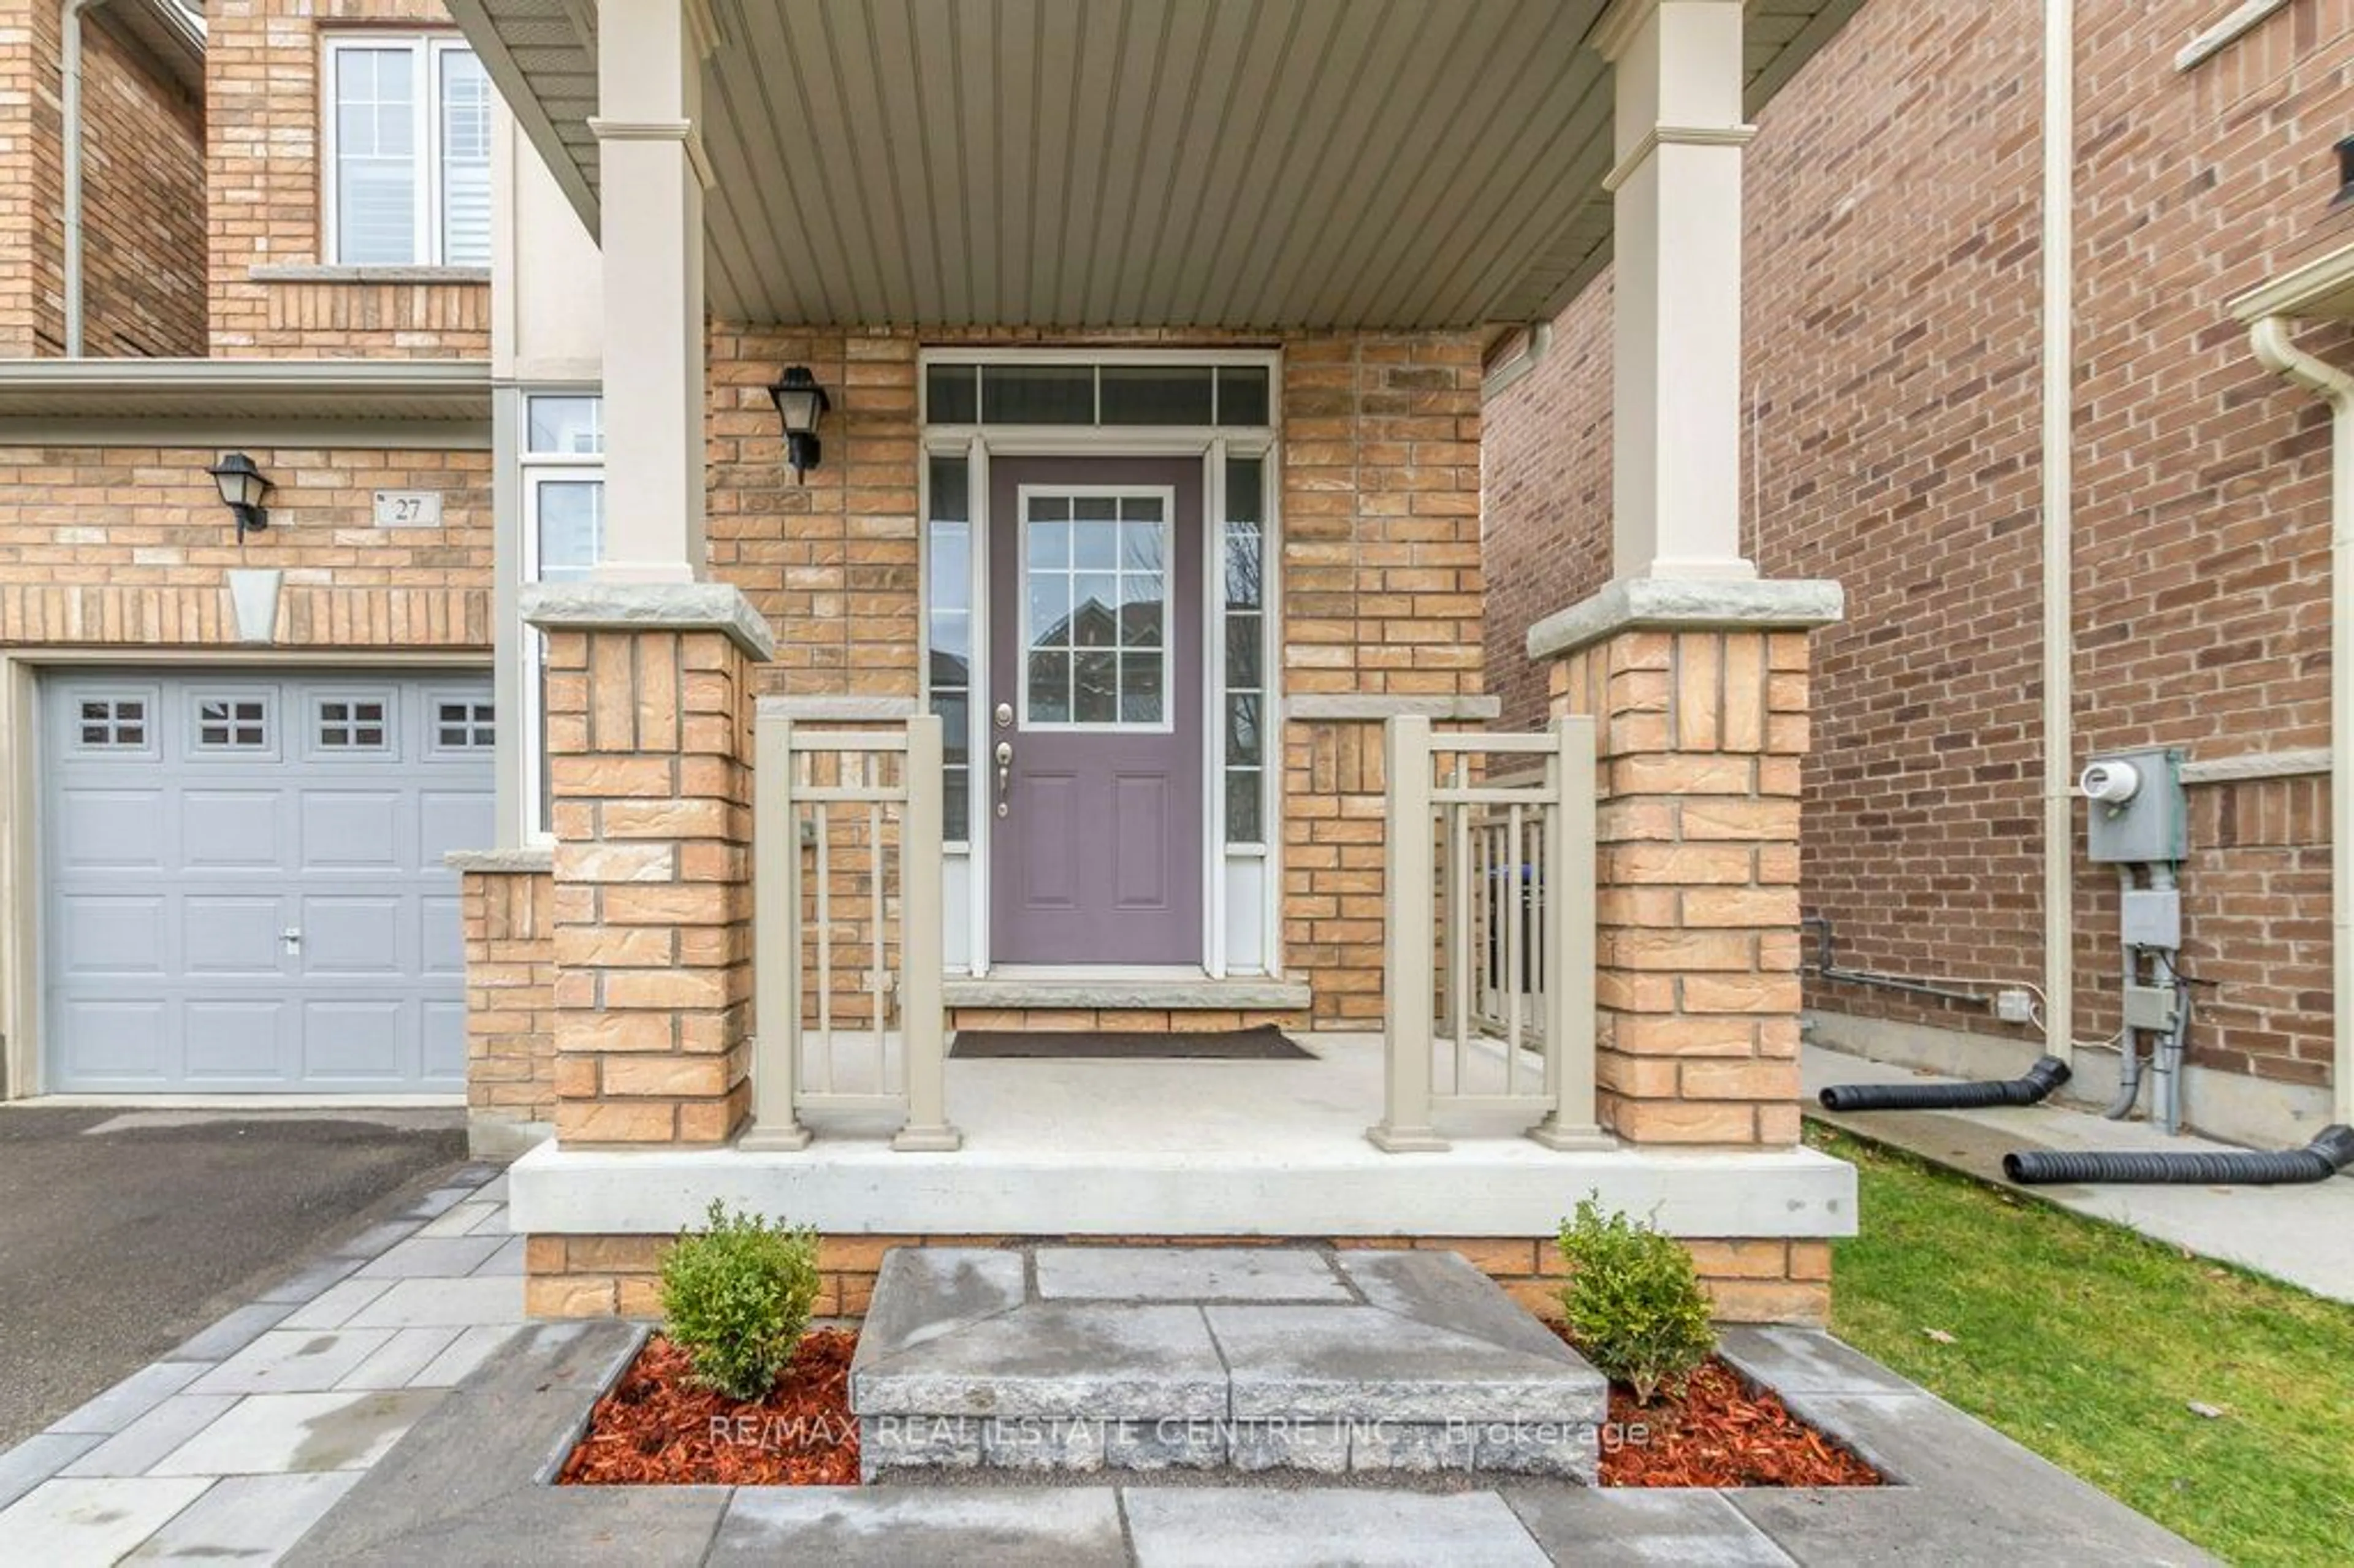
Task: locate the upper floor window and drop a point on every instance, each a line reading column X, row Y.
column 408, row 152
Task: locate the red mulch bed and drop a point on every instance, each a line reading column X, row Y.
column 658, row 1426
column 1721, row 1433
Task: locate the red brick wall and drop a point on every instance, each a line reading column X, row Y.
column 1893, row 305
column 143, row 205
column 143, row 194
column 262, row 71
column 1544, row 530
column 31, row 182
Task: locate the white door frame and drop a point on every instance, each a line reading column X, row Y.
column 978, row 444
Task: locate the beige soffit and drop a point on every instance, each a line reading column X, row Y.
column 1239, row 163
column 427, row 391
column 2321, row 290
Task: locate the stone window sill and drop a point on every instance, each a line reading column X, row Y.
column 308, row 273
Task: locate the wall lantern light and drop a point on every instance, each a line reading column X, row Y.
column 801, row 403
column 243, row 491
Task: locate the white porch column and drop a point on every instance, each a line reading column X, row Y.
column 1676, row 411
column 649, row 97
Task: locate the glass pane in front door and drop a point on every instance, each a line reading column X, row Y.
column 1096, row 606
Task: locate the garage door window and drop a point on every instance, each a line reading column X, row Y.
column 463, row 726
column 115, row 723
column 232, row 724
column 351, row 723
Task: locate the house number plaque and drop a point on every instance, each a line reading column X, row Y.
column 409, row 509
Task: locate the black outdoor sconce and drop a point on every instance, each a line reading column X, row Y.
column 2345, row 197
column 801, row 403
column 243, row 491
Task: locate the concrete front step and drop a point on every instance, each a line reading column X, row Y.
column 1089, row 1359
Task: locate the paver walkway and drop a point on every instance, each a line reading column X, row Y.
column 244, row 1436
column 388, row 1405
column 2272, row 1230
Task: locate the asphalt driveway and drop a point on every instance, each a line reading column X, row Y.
column 123, row 1233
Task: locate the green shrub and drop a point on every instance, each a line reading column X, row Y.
column 1633, row 1302
column 737, row 1296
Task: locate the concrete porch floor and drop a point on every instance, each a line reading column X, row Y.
column 2272, row 1230
column 1184, row 1148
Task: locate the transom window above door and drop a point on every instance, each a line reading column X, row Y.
column 1095, row 613
column 1160, row 393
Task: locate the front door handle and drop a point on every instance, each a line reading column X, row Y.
column 1005, row 773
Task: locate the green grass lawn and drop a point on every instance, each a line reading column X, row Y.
column 2089, row 1344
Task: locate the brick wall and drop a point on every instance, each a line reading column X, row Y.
column 266, row 184
column 130, row 545
column 1380, row 572
column 32, row 182
column 510, row 932
column 1892, row 301
column 1747, row 1281
column 143, row 205
column 142, row 182
column 1545, row 532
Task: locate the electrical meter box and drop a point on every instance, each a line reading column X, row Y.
column 2138, row 813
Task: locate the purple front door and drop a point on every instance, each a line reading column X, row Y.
column 1090, row 780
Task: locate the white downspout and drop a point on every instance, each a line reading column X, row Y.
column 2059, row 522
column 69, row 111
column 2270, row 338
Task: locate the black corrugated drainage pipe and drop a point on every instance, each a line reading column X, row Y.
column 2048, row 1074
column 2325, row 1156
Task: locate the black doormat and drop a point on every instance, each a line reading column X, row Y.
column 1264, row 1043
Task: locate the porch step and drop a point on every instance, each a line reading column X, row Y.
column 1091, row 1359
column 1049, row 992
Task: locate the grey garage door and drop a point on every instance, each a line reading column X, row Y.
column 245, row 885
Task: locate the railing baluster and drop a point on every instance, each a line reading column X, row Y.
column 1458, row 930
column 879, row 905
column 922, row 1021
column 1409, row 875
column 776, row 940
column 1569, row 956
column 1515, row 904
column 824, row 830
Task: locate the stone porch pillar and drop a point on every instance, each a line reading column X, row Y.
column 648, row 695
column 1694, row 672
column 647, row 668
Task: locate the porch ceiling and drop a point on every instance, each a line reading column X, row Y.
column 1233, row 164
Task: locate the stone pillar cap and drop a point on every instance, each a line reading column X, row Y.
column 650, row 606
column 1689, row 604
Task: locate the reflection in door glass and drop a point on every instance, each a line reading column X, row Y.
column 1096, row 584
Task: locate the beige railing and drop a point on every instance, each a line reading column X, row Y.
column 1489, row 961
column 846, row 942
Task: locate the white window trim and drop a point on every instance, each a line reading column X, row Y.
column 430, row 49
column 534, row 469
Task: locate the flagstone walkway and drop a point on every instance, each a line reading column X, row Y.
column 240, row 1439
